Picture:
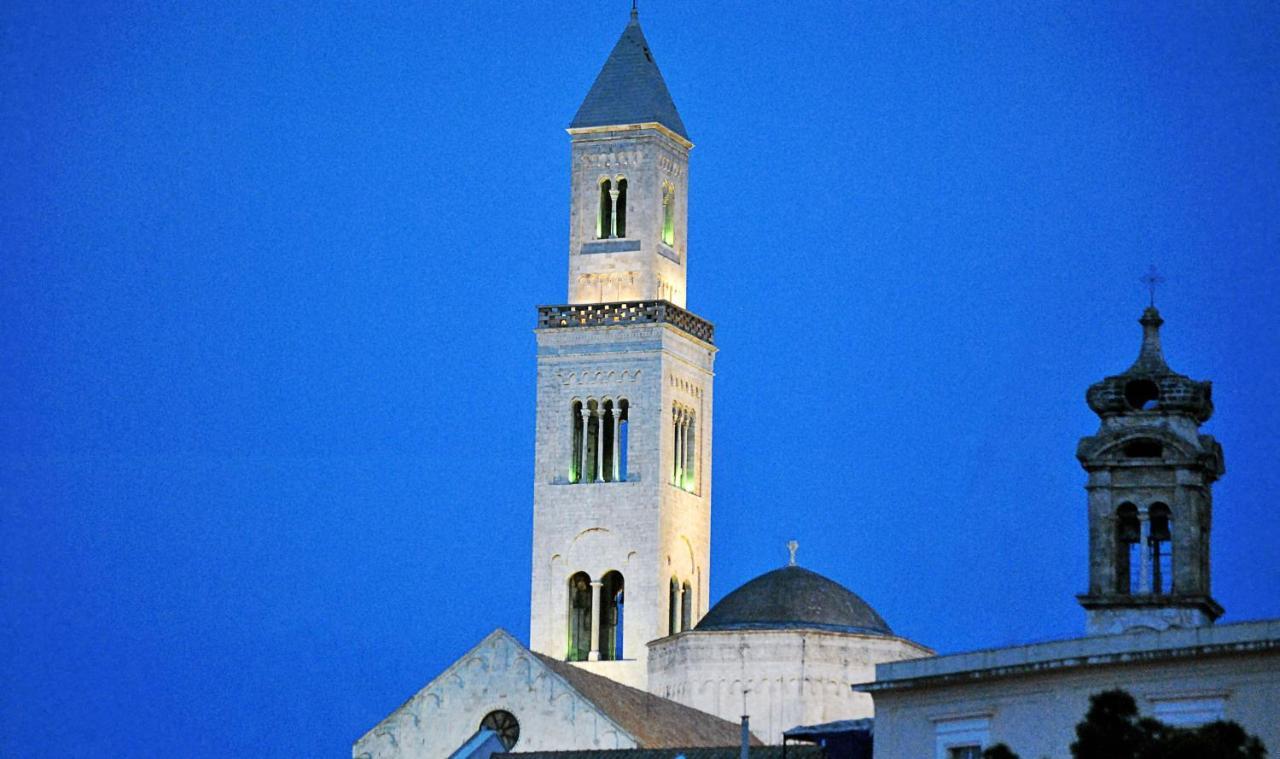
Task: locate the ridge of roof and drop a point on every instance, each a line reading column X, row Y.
column 629, row 89
column 653, row 721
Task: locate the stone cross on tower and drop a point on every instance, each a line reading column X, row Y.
column 1152, row 279
column 792, row 546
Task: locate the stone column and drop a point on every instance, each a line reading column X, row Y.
column 613, row 213
column 617, row 440
column 586, row 428
column 594, row 654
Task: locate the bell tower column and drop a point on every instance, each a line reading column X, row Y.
column 624, row 388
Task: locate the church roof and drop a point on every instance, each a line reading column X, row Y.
column 653, row 721
column 794, row 597
column 629, row 88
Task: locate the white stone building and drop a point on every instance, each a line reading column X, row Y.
column 1149, row 610
column 782, row 648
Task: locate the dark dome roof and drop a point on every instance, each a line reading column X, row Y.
column 793, row 597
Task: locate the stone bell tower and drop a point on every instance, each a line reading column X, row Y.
column 622, row 489
column 1150, row 496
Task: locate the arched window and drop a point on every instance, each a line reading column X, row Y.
column 576, row 426
column 686, row 607
column 668, row 214
column 685, row 443
column 673, row 609
column 611, row 588
column 579, row 617
column 1128, row 545
column 598, row 444
column 620, row 209
column 604, row 219
column 1161, row 545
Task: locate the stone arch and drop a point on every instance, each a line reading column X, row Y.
column 579, row 617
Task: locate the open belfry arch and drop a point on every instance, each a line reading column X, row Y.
column 622, row 493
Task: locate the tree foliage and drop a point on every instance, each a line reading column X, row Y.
column 1112, row 730
column 999, row 751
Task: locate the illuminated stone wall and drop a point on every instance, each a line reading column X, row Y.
column 780, row 678
column 639, row 265
column 644, row 527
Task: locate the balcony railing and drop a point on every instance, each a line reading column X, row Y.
column 630, row 312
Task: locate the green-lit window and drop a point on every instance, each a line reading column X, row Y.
column 604, row 219
column 669, row 215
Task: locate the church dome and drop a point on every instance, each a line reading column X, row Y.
column 793, row 597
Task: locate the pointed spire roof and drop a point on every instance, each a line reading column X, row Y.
column 629, row 88
column 1150, row 357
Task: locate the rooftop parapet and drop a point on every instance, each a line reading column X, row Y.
column 629, row 312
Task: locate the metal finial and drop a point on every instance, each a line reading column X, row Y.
column 635, row 12
column 1152, row 279
column 792, row 546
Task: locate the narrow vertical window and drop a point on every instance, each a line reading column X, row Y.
column 1161, row 540
column 591, row 442
column 668, row 215
column 624, row 428
column 604, row 219
column 686, row 607
column 575, row 442
column 609, row 441
column 620, row 209
column 579, row 617
column 684, row 447
column 673, row 608
column 690, row 453
column 610, row 644
column 1127, row 546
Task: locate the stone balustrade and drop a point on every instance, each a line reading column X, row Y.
column 630, row 312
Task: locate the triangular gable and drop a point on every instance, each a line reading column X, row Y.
column 498, row 673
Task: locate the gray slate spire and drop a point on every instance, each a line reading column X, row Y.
column 630, row 88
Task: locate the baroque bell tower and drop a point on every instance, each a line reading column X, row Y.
column 622, row 490
column 1151, row 474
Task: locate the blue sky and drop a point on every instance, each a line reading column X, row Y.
column 267, row 285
